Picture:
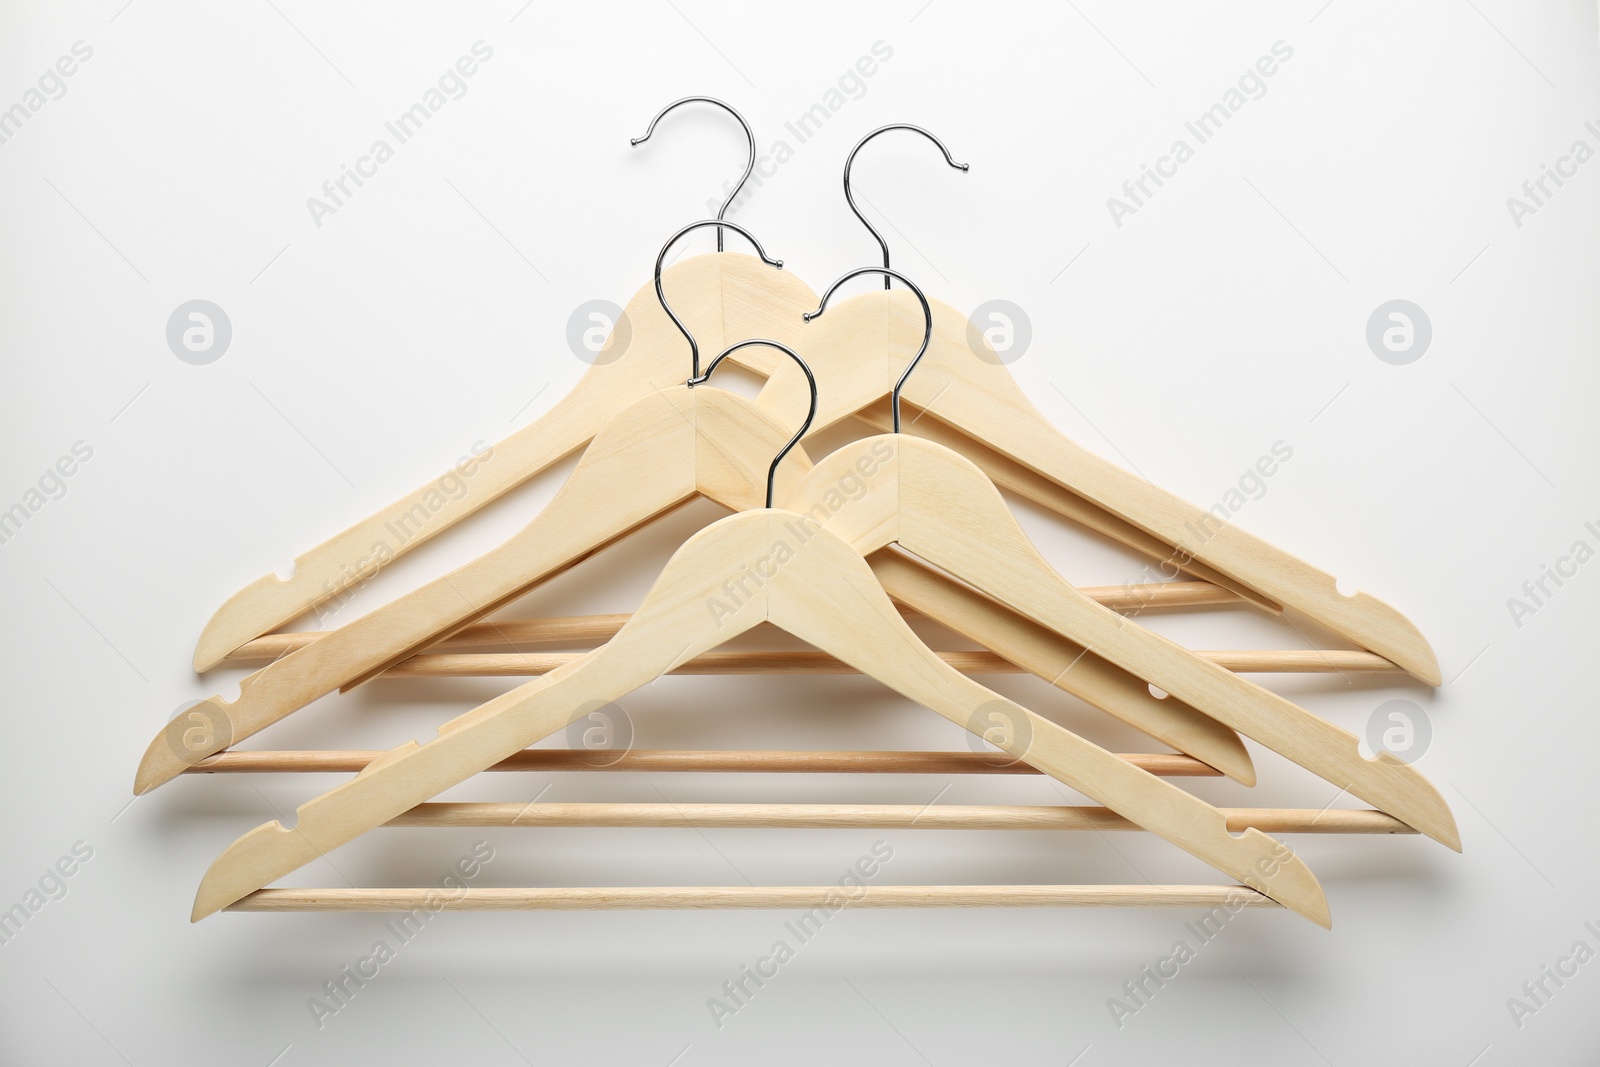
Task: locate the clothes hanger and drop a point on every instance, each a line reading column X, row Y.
column 938, row 506
column 727, row 295
column 733, row 292
column 654, row 457
column 817, row 589
column 975, row 406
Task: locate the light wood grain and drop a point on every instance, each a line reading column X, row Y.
column 872, row 817
column 653, row 457
column 859, row 348
column 1165, row 764
column 961, row 385
column 586, row 629
column 656, row 456
column 805, row 898
column 725, row 298
column 531, row 664
column 817, row 588
column 938, row 506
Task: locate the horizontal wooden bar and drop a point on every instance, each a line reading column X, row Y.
column 806, row 897
column 874, row 816
column 579, row 629
column 1165, row 764
column 527, row 664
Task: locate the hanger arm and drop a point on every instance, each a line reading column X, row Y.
column 1003, row 419
column 727, row 294
column 946, row 512
column 1029, row 485
column 972, row 403
column 816, row 588
column 1066, row 666
column 652, row 458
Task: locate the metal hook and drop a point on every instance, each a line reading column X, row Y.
column 749, row 137
column 694, row 347
column 927, row 330
column 811, row 383
column 850, row 198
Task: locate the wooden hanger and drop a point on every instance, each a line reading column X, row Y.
column 771, row 566
column 939, row 506
column 728, row 296
column 981, row 412
column 654, row 457
column 657, row 454
column 971, row 403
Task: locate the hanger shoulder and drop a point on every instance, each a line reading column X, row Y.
column 643, row 353
column 687, row 612
column 982, row 400
column 820, row 590
column 856, row 493
column 1069, row 667
column 954, row 518
column 756, row 301
column 1030, row 485
column 735, row 442
column 637, row 468
column 849, row 348
column 653, row 457
column 825, row 594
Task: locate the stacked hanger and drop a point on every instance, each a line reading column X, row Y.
column 932, row 534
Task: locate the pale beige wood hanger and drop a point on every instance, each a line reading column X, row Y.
column 533, row 664
column 940, row 507
column 985, row 415
column 1163, row 764
column 937, row 505
column 657, row 455
column 873, row 817
column 654, row 457
column 821, row 591
column 802, row 897
column 575, row 629
column 992, row 619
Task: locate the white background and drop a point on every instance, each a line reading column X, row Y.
column 1227, row 314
